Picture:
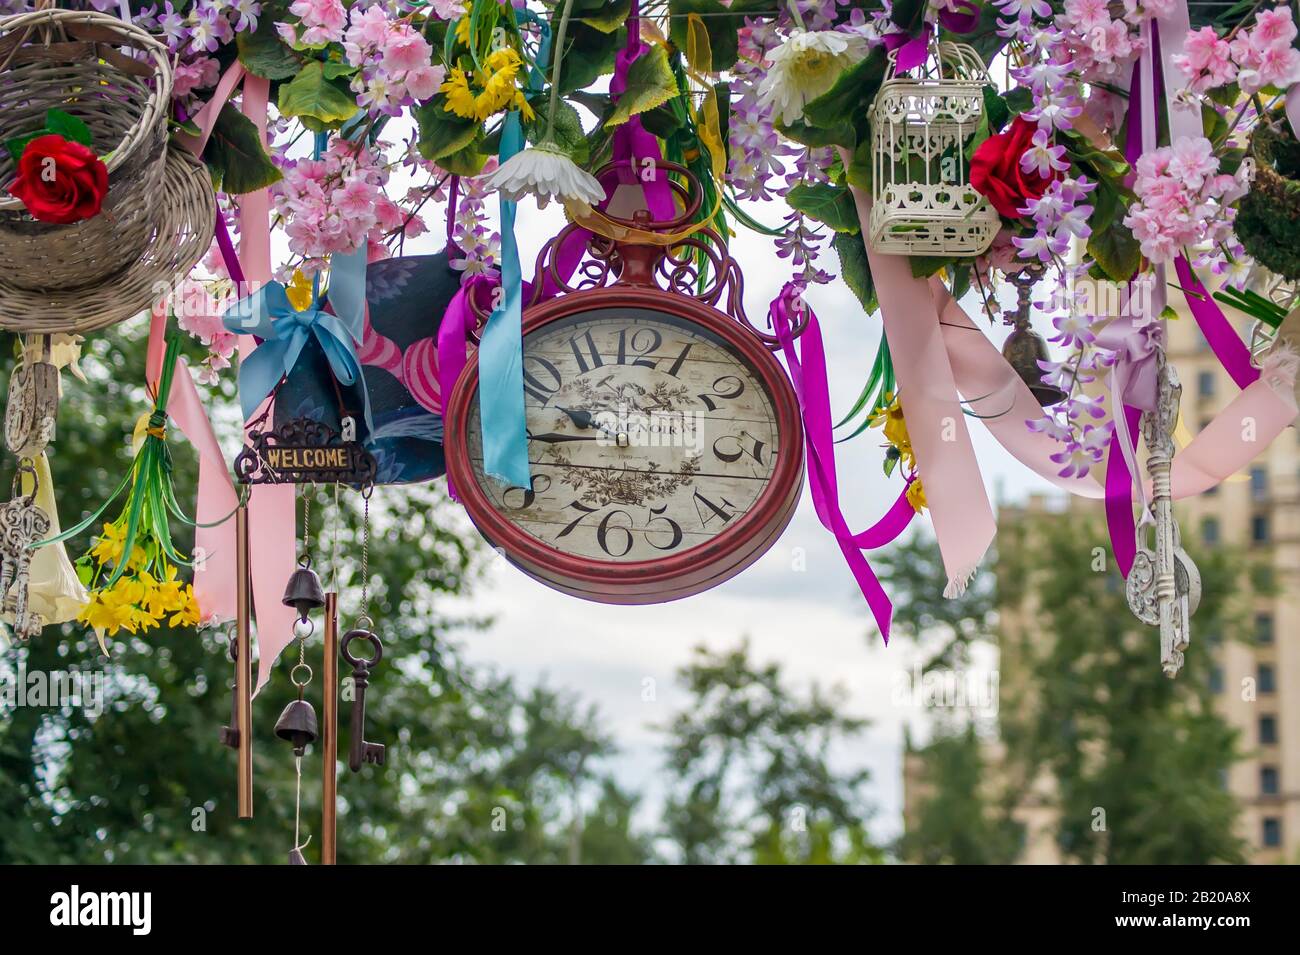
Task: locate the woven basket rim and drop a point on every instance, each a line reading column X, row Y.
column 103, row 304
column 155, row 112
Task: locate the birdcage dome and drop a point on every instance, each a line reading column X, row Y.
column 922, row 199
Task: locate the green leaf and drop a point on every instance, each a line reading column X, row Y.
column 567, row 134
column 17, row 145
column 589, row 54
column 465, row 162
column 837, row 134
column 996, row 110
column 1019, row 99
column 650, row 83
column 264, row 54
column 923, row 266
column 847, row 102
column 69, row 127
column 318, row 102
column 722, row 23
column 1116, row 251
column 855, row 269
column 442, row 133
column 832, row 205
column 607, row 18
column 235, row 156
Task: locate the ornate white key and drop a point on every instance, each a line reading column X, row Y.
column 1164, row 586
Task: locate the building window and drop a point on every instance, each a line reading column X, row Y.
column 1263, row 628
column 1268, row 784
column 1272, row 832
column 1259, row 529
column 1267, row 682
column 1258, row 483
column 1205, row 384
column 1216, row 679
column 1210, row 530
column 1267, row 730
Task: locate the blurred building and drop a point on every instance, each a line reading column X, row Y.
column 1256, row 681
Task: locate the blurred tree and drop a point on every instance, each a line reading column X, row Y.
column 477, row 770
column 958, row 823
column 1135, row 760
column 749, row 764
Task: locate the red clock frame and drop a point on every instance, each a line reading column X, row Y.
column 675, row 576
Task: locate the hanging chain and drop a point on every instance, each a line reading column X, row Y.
column 308, row 490
column 365, row 554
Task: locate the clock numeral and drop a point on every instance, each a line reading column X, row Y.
column 673, row 527
column 537, row 387
column 610, row 535
column 714, row 511
column 604, row 529
column 680, row 360
column 725, row 389
column 540, row 484
column 730, row 448
column 588, row 345
column 577, row 506
column 642, row 335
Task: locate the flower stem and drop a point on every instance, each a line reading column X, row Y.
column 553, row 108
column 796, row 15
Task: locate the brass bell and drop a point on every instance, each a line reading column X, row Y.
column 304, row 592
column 1023, row 350
column 297, row 725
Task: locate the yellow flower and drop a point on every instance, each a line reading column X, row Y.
column 462, row 26
column 98, row 615
column 499, row 88
column 187, row 615
column 890, row 415
column 298, row 291
column 916, row 496
column 108, row 546
column 459, row 99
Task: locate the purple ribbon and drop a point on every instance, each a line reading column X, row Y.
column 807, row 365
column 1218, row 331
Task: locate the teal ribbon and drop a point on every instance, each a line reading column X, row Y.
column 500, row 355
column 284, row 331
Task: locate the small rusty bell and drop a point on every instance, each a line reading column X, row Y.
column 304, row 592
column 297, row 725
column 1023, row 350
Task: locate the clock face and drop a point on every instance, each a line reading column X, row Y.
column 649, row 436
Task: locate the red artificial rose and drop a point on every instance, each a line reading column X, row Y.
column 60, row 181
column 996, row 174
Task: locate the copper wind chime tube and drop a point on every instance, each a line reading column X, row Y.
column 330, row 732
column 244, row 664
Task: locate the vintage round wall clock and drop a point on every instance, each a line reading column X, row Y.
column 665, row 442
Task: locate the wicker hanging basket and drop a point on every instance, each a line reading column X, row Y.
column 117, row 79
column 180, row 236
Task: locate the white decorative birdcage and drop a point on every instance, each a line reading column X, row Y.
column 922, row 202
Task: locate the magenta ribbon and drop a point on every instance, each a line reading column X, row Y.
column 911, row 50
column 807, row 366
column 1218, row 331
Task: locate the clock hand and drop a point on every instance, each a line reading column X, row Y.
column 554, row 438
column 585, row 419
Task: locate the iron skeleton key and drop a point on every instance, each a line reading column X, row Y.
column 361, row 752
column 1164, row 586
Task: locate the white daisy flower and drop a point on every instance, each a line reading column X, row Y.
column 547, row 172
column 804, row 67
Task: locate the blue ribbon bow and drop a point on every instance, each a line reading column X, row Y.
column 284, row 331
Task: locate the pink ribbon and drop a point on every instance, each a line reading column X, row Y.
column 807, row 365
column 271, row 508
column 945, row 457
